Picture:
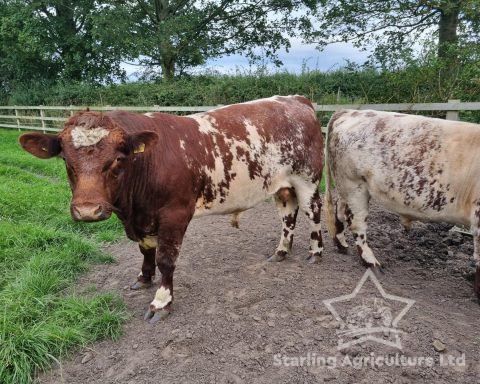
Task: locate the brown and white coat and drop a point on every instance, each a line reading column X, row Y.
column 420, row 168
column 158, row 171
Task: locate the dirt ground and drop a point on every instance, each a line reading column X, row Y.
column 233, row 311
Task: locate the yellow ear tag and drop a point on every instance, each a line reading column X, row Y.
column 140, row 148
column 44, row 149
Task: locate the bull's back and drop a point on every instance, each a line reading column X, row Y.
column 258, row 146
column 419, row 167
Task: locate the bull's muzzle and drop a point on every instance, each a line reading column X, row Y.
column 90, row 212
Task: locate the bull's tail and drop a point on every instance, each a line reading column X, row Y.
column 329, row 209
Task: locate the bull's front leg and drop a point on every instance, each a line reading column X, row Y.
column 147, row 274
column 173, row 225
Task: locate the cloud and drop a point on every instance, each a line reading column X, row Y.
column 300, row 55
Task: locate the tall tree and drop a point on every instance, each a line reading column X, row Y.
column 392, row 26
column 22, row 57
column 175, row 35
column 78, row 38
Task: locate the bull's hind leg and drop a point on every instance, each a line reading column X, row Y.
column 476, row 253
column 146, row 276
column 340, row 224
column 356, row 212
column 287, row 207
column 311, row 204
column 476, row 256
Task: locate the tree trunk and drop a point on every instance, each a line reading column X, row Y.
column 168, row 68
column 447, row 45
column 167, row 59
column 70, row 51
column 447, row 30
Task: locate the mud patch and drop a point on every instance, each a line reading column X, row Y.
column 233, row 311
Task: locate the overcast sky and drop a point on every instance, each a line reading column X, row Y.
column 332, row 57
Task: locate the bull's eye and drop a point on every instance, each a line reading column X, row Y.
column 71, row 173
column 118, row 161
column 115, row 167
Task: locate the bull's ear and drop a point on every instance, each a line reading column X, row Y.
column 41, row 144
column 142, row 142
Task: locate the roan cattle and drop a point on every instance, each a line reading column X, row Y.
column 158, row 171
column 420, row 168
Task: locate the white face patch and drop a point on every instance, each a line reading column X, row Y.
column 84, row 137
column 162, row 298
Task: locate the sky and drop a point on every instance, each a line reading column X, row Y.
column 332, row 57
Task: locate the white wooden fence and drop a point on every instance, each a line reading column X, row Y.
column 50, row 118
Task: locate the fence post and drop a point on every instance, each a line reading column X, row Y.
column 42, row 115
column 71, row 110
column 18, row 120
column 453, row 115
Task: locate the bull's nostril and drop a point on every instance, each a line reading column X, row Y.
column 88, row 212
column 76, row 212
column 98, row 211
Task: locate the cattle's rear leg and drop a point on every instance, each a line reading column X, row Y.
column 287, row 207
column 340, row 222
column 356, row 214
column 311, row 204
column 476, row 253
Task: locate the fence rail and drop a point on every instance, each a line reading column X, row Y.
column 36, row 117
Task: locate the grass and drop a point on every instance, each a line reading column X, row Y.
column 42, row 251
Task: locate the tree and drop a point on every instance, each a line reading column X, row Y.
column 21, row 54
column 394, row 26
column 175, row 35
column 80, row 37
column 50, row 40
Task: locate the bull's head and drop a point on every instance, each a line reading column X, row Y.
column 97, row 154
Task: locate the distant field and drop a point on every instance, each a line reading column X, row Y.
column 42, row 251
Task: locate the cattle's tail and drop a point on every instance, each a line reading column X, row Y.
column 329, row 209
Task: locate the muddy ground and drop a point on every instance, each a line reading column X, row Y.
column 233, row 311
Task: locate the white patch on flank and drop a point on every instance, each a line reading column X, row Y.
column 84, row 137
column 182, row 144
column 255, row 139
column 206, row 123
column 150, row 114
column 162, row 298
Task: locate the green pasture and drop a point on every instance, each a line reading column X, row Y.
column 42, row 251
